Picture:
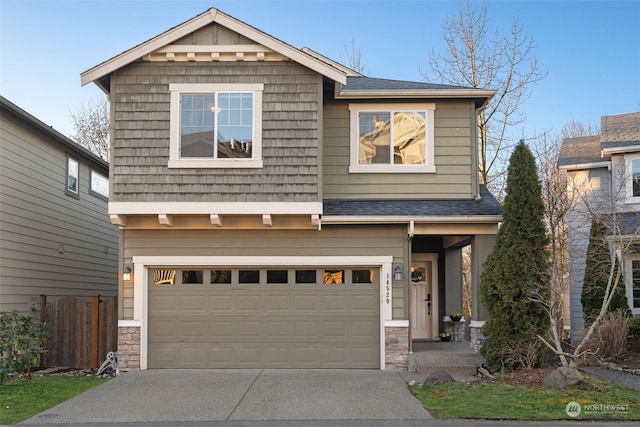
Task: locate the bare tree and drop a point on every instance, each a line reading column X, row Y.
column 91, row 126
column 506, row 63
column 352, row 58
column 557, row 205
column 577, row 129
column 606, row 208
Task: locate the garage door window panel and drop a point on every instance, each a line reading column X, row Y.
column 362, row 276
column 192, row 277
column 306, row 277
column 277, row 276
column 249, row 276
column 220, row 277
column 333, row 277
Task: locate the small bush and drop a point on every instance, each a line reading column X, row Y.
column 523, row 354
column 21, row 343
column 609, row 339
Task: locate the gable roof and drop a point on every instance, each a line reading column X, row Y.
column 619, row 134
column 100, row 73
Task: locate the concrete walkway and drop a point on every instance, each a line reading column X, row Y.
column 241, row 395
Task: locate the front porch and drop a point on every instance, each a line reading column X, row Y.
column 455, row 357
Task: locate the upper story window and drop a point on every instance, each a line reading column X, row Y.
column 216, row 126
column 633, row 178
column 392, row 138
column 99, row 185
column 73, row 178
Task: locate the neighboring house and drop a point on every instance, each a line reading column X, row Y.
column 603, row 171
column 279, row 210
column 55, row 235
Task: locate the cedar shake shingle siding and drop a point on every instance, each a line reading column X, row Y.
column 290, row 137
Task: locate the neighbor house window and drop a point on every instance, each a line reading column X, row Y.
column 216, row 125
column 99, row 184
column 635, row 178
column 73, row 177
column 392, row 138
column 635, row 284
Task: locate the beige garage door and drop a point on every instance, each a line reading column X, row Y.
column 264, row 318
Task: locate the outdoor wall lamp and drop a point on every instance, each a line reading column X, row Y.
column 126, row 274
column 397, row 273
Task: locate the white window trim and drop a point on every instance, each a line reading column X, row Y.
column 628, row 177
column 92, row 182
column 142, row 263
column 75, row 194
column 176, row 89
column 428, row 167
column 628, row 279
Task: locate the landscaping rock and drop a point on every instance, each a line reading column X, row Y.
column 563, row 377
column 438, row 377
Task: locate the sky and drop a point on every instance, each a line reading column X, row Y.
column 590, row 49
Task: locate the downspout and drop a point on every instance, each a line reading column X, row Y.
column 410, row 235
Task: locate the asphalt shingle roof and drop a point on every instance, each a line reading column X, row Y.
column 619, row 131
column 375, row 84
column 576, row 151
column 486, row 206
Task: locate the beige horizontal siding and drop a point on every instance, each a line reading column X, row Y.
column 453, row 159
column 332, row 241
column 52, row 244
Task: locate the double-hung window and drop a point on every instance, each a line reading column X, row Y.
column 633, row 178
column 73, row 178
column 216, row 125
column 392, row 138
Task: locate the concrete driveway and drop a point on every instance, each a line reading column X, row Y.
column 241, row 395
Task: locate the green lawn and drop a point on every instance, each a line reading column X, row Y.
column 598, row 399
column 23, row 399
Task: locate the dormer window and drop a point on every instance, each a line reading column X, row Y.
column 216, row 126
column 392, row 138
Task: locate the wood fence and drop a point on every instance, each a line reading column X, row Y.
column 80, row 333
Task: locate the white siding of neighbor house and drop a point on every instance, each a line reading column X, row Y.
column 591, row 186
column 50, row 243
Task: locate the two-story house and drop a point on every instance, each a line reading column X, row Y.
column 279, row 210
column 56, row 238
column 603, row 177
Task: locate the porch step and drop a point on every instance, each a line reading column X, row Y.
column 456, row 358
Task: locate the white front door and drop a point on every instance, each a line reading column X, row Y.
column 424, row 317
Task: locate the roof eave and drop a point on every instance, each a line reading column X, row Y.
column 64, row 141
column 582, row 166
column 212, row 15
column 415, row 93
column 620, row 150
column 355, row 219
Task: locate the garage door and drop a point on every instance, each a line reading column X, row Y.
column 264, row 318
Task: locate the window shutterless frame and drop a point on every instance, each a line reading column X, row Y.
column 392, row 138
column 72, row 184
column 194, row 130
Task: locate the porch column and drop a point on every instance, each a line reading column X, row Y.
column 453, row 281
column 480, row 248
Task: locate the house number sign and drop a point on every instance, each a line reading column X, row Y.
column 387, row 290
